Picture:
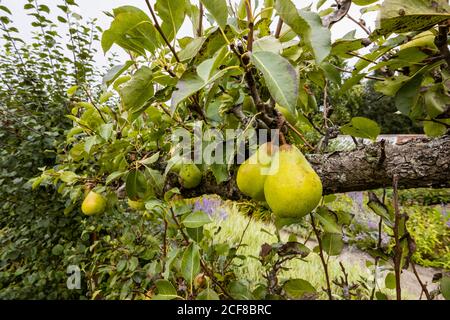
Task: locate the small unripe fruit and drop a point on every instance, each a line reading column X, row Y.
column 190, row 176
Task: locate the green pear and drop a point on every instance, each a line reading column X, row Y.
column 293, row 189
column 93, row 204
column 252, row 173
column 190, row 176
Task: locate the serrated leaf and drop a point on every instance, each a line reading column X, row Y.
column 280, row 76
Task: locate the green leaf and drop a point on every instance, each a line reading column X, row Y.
column 331, row 72
column 106, row 131
column 189, row 84
column 196, row 219
column 136, row 92
column 114, row 176
column 307, row 25
column 172, row 13
column 166, row 290
column 268, row 43
column 150, row 160
column 407, row 97
column 116, row 72
column 72, row 90
column 401, row 16
column 190, row 263
column 191, row 49
column 332, row 243
column 434, row 129
column 362, row 128
column 327, row 220
column 389, row 281
column 297, row 288
column 218, row 9
column 195, row 234
column 208, row 294
column 136, row 185
column 280, row 76
column 132, row 30
column 445, row 287
column 57, row 250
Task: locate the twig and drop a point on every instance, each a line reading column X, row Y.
column 200, row 21
column 294, row 129
column 367, row 77
column 325, row 105
column 158, row 28
column 422, row 285
column 250, row 25
column 322, row 258
column 398, row 248
column 279, row 27
column 359, row 24
column 93, row 103
column 377, row 258
column 240, row 243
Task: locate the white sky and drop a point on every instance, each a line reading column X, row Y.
column 96, row 8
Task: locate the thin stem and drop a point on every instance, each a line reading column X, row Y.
column 398, row 248
column 367, row 31
column 301, row 136
column 279, row 27
column 422, row 285
column 322, row 258
column 200, row 21
column 158, row 28
column 367, row 77
column 251, row 26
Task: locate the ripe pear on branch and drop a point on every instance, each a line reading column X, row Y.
column 253, row 172
column 93, row 204
column 293, row 189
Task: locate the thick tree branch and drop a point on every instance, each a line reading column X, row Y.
column 417, row 163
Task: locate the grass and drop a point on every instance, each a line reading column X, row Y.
column 259, row 233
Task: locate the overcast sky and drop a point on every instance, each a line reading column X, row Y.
column 96, row 8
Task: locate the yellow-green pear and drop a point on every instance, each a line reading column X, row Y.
column 93, row 204
column 136, row 205
column 252, row 173
column 190, row 176
column 293, row 189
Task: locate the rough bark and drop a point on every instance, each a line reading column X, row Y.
column 417, row 163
